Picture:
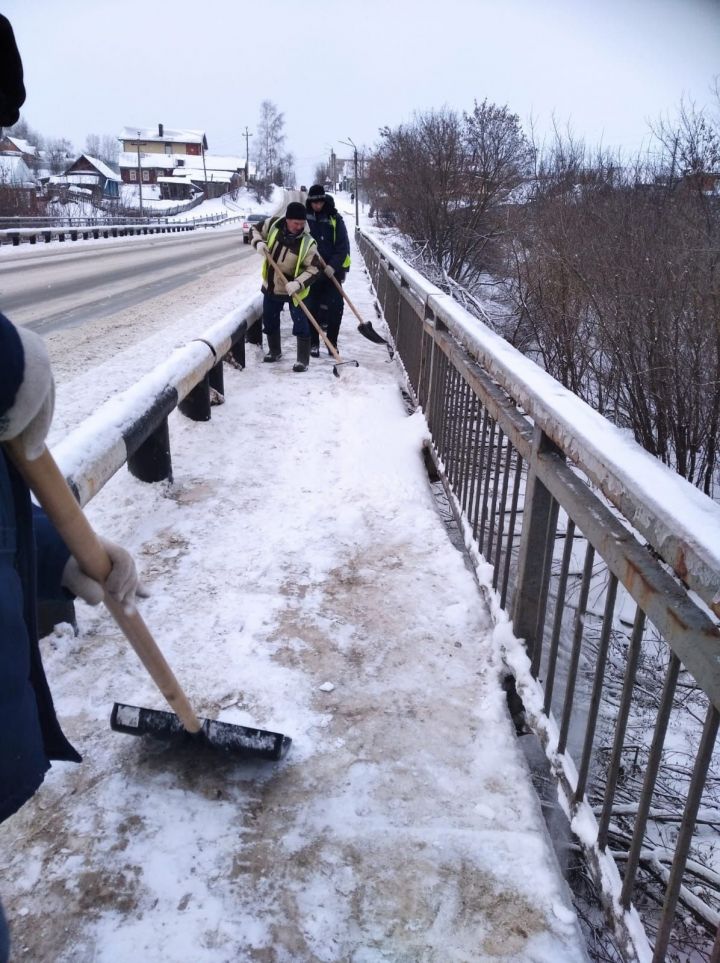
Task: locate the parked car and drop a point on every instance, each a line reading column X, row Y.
column 248, row 224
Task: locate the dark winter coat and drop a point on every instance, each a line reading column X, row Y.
column 328, row 229
column 32, row 558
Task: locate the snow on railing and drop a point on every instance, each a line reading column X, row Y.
column 132, row 427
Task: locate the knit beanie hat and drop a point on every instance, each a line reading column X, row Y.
column 295, row 212
column 316, row 193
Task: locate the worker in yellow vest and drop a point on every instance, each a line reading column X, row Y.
column 294, row 250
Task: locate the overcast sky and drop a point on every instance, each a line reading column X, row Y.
column 345, row 70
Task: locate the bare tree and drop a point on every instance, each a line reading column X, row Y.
column 269, row 141
column 104, row 148
column 58, row 152
column 322, row 174
column 446, row 177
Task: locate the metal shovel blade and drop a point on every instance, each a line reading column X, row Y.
column 237, row 740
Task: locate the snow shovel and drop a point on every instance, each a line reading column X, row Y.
column 46, row 481
column 365, row 327
column 328, row 343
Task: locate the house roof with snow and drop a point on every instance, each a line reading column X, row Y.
column 99, row 165
column 23, row 146
column 169, row 135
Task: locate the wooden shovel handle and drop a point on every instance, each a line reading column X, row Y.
column 328, row 343
column 47, row 483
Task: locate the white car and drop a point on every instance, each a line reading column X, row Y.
column 250, row 221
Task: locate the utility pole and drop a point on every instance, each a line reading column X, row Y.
column 202, row 148
column 139, row 169
column 350, row 143
column 247, row 155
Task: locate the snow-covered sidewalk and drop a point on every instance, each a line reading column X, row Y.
column 301, row 581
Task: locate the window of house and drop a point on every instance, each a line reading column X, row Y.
column 146, row 176
column 168, row 148
column 133, row 175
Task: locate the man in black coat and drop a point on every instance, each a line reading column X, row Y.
column 325, row 302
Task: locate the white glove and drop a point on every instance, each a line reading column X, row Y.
column 329, row 270
column 29, row 418
column 292, row 287
column 122, row 583
column 261, row 247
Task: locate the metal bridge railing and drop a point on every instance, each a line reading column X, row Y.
column 608, row 564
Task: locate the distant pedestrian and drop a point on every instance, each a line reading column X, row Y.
column 325, row 302
column 294, row 250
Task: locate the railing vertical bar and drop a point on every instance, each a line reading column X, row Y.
column 603, row 648
column 633, row 655
column 456, row 480
column 503, row 511
column 559, row 611
column 458, row 385
column 472, row 453
column 548, row 555
column 487, row 466
column 576, row 644
column 651, row 770
column 482, row 444
column 496, row 487
column 468, row 404
column 511, row 528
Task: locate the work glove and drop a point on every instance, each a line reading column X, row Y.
column 292, row 287
column 329, row 270
column 261, row 247
column 122, row 583
column 28, row 420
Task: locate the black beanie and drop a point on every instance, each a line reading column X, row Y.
column 12, row 90
column 316, row 193
column 295, row 212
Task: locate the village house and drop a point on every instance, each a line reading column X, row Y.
column 86, row 176
column 177, row 161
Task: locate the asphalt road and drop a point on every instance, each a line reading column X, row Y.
column 50, row 290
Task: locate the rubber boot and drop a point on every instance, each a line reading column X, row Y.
column 314, row 344
column 274, row 349
column 303, row 355
column 333, row 330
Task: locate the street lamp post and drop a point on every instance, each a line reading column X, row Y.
column 247, row 155
column 349, row 142
column 202, row 148
column 139, row 170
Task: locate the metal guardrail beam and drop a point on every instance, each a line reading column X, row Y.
column 91, row 454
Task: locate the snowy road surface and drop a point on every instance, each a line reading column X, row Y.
column 65, row 286
column 301, row 581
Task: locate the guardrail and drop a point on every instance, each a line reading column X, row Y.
column 610, row 566
column 132, row 428
column 47, row 233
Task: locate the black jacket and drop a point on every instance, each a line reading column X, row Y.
column 328, row 229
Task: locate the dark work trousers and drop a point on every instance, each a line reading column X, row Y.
column 326, row 305
column 272, row 309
